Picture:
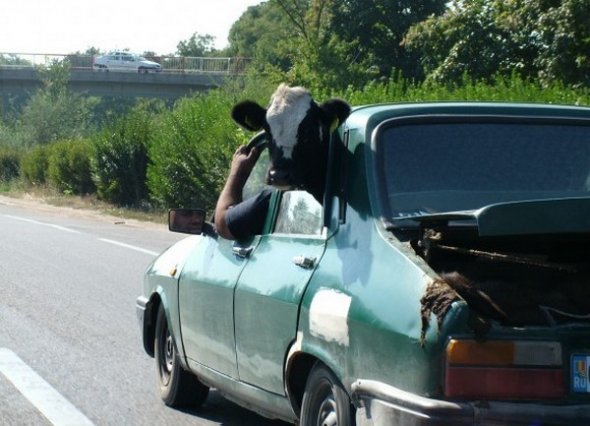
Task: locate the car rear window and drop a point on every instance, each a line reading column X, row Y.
column 438, row 167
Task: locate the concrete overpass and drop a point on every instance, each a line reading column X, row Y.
column 165, row 85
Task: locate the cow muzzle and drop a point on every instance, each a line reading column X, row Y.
column 282, row 179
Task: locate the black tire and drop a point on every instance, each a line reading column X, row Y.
column 178, row 387
column 325, row 402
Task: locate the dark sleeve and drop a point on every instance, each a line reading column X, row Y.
column 247, row 218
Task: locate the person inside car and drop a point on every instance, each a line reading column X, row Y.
column 236, row 218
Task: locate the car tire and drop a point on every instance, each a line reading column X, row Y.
column 325, row 402
column 178, row 387
column 142, row 70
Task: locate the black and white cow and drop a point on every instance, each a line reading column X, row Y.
column 298, row 131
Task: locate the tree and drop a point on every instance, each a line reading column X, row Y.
column 13, row 60
column 541, row 39
column 320, row 56
column 196, row 46
column 331, row 43
column 375, row 29
column 263, row 33
column 54, row 113
column 564, row 35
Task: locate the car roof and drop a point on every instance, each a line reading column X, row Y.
column 367, row 117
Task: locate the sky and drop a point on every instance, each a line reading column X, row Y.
column 68, row 26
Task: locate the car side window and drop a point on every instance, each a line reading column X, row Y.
column 299, row 213
column 257, row 180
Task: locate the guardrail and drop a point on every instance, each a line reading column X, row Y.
column 170, row 64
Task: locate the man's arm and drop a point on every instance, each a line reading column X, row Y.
column 242, row 164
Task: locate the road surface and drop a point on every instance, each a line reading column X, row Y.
column 70, row 346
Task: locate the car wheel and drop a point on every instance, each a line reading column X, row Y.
column 142, row 70
column 325, row 402
column 178, row 387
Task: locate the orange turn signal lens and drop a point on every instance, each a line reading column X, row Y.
column 504, row 353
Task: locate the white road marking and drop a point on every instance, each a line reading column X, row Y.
column 57, row 409
column 63, row 228
column 36, row 222
column 129, row 246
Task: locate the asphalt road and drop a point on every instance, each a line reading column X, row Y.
column 70, row 348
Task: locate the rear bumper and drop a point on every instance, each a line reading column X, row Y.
column 381, row 404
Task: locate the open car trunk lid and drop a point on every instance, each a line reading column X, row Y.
column 524, row 271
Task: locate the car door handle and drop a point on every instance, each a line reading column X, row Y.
column 242, row 252
column 304, row 262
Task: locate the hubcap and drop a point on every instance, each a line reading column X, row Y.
column 169, row 354
column 166, row 350
column 327, row 415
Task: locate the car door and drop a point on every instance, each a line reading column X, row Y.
column 128, row 63
column 270, row 287
column 114, row 62
column 206, row 304
column 206, row 293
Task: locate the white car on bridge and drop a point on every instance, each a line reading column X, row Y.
column 126, row 62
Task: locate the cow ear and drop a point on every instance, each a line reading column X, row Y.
column 336, row 111
column 249, row 115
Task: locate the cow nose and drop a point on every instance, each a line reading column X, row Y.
column 278, row 178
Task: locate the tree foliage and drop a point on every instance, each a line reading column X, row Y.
column 191, row 152
column 9, row 163
column 547, row 40
column 68, row 166
column 264, row 33
column 321, row 57
column 34, row 165
column 327, row 43
column 375, row 29
column 121, row 158
column 197, row 45
column 54, row 113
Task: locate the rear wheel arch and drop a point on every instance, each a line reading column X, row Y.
column 297, row 372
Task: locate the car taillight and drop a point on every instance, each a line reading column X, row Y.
column 503, row 370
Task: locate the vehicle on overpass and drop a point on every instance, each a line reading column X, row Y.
column 125, row 62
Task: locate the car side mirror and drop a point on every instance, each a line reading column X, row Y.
column 188, row 221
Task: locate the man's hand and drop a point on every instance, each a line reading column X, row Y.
column 243, row 162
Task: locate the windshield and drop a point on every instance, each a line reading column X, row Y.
column 441, row 167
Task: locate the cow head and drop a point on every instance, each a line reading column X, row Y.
column 298, row 131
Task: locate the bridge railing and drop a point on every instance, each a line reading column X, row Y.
column 170, row 64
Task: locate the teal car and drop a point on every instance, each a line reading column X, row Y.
column 445, row 279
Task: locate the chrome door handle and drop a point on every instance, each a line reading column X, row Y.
column 304, row 262
column 242, row 252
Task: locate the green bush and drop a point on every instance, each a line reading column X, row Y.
column 191, row 153
column 509, row 89
column 34, row 165
column 121, row 158
column 68, row 166
column 9, row 163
